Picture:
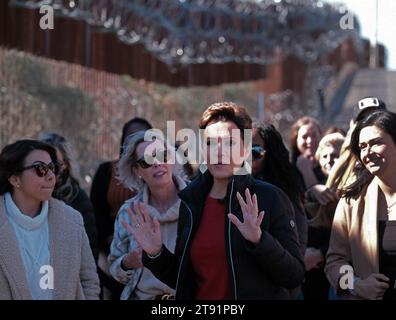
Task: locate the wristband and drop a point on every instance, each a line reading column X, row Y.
column 155, row 256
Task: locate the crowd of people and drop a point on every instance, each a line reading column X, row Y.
column 312, row 220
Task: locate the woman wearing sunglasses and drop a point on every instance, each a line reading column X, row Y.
column 270, row 163
column 157, row 183
column 236, row 235
column 44, row 250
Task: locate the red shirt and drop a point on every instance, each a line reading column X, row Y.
column 208, row 254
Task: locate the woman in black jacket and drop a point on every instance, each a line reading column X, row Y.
column 236, row 235
column 270, row 163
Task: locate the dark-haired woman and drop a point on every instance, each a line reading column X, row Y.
column 44, row 249
column 361, row 261
column 270, row 163
column 236, row 235
column 67, row 187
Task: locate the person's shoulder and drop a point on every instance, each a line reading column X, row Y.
column 266, row 187
column 129, row 203
column 65, row 212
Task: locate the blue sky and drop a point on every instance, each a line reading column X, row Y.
column 365, row 10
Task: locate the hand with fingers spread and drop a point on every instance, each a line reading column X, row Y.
column 250, row 227
column 145, row 229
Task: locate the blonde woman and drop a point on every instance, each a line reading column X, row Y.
column 158, row 183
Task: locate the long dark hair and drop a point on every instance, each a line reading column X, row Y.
column 67, row 185
column 13, row 156
column 383, row 120
column 277, row 167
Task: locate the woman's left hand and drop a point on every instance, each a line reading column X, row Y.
column 250, row 227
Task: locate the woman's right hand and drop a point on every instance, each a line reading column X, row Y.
column 373, row 287
column 145, row 229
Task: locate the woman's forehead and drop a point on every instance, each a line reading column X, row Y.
column 308, row 128
column 142, row 146
column 369, row 133
column 222, row 129
column 38, row 155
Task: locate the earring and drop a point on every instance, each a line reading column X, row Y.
column 17, row 185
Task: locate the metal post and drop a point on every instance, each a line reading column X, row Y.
column 260, row 106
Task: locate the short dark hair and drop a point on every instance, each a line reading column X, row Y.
column 141, row 121
column 12, row 159
column 226, row 111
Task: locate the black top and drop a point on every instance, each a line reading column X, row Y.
column 387, row 255
column 262, row 271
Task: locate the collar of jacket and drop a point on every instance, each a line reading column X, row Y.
column 197, row 191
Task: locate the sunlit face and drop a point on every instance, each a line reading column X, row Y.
column 159, row 174
column 327, row 158
column 224, row 148
column 308, row 139
column 377, row 151
column 28, row 184
column 257, row 162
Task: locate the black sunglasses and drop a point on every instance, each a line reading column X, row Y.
column 257, row 152
column 160, row 156
column 42, row 168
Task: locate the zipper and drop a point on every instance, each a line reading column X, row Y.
column 229, row 241
column 185, row 248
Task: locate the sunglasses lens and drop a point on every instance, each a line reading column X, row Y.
column 53, row 167
column 143, row 164
column 41, row 170
column 257, row 152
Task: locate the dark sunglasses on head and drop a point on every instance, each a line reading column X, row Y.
column 257, row 152
column 42, row 168
column 160, row 156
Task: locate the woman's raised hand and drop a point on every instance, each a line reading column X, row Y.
column 145, row 229
column 250, row 227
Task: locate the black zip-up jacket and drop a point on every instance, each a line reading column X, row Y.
column 263, row 271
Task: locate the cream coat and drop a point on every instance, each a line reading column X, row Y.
column 75, row 275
